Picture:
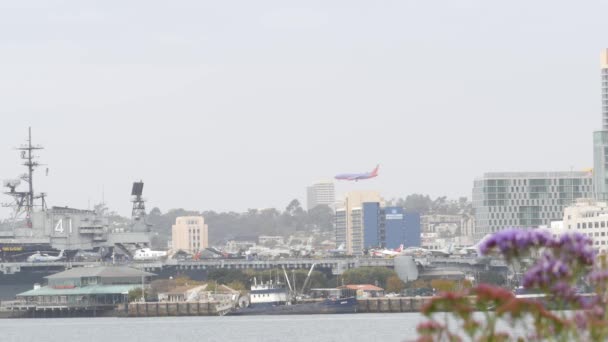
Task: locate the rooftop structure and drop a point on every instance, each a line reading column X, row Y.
column 104, row 274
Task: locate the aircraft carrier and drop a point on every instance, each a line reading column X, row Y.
column 35, row 228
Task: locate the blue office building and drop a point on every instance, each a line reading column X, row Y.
column 389, row 227
column 401, row 228
column 394, row 227
column 371, row 225
column 412, row 230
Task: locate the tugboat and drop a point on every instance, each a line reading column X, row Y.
column 273, row 298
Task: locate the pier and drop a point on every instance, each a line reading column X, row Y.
column 24, row 310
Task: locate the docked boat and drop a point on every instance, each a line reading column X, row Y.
column 274, row 299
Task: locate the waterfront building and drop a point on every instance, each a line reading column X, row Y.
column 190, row 233
column 525, row 199
column 320, row 193
column 87, row 286
column 348, row 220
column 588, row 217
column 600, row 138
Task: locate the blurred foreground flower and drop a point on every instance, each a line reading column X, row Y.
column 561, row 265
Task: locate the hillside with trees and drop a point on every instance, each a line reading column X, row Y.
column 225, row 226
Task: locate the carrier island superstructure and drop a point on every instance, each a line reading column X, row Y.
column 34, row 227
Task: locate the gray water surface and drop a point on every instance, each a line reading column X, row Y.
column 317, row 328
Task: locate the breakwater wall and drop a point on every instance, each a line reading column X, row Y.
column 393, row 304
column 160, row 309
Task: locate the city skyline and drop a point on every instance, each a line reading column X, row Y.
column 229, row 110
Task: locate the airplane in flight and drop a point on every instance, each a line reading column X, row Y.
column 38, row 257
column 358, row 176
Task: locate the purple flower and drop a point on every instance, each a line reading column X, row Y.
column 512, row 242
column 564, row 291
column 575, row 246
column 546, row 272
column 598, row 276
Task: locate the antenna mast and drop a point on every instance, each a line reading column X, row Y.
column 24, row 201
column 139, row 205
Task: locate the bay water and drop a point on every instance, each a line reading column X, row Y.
column 316, row 328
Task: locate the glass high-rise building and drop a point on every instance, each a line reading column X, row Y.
column 600, row 138
column 525, row 199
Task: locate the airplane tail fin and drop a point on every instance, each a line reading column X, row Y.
column 400, row 249
column 375, row 172
column 61, row 254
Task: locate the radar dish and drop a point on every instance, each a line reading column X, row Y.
column 138, row 188
column 12, row 183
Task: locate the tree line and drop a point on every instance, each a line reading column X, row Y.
column 225, row 226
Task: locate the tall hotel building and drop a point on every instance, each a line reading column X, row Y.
column 320, row 193
column 525, row 199
column 349, row 220
column 600, row 139
column 190, row 233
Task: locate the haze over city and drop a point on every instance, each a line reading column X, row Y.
column 242, row 105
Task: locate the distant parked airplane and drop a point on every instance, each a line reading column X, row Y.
column 358, row 176
column 475, row 248
column 148, row 254
column 419, row 251
column 386, row 252
column 338, row 251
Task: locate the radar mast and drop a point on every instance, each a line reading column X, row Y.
column 24, row 201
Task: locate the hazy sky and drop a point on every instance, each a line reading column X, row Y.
column 229, row 105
